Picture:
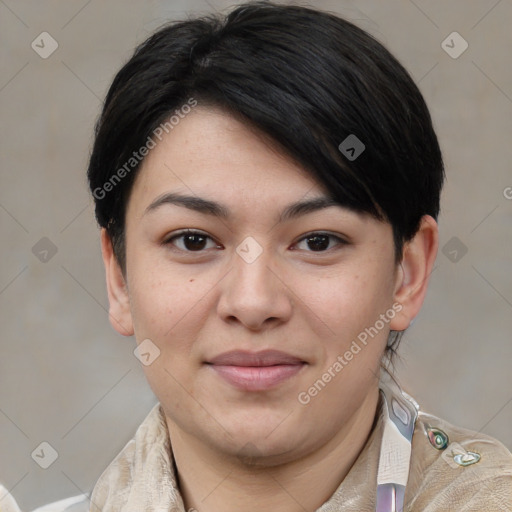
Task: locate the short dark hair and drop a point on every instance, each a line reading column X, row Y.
column 308, row 79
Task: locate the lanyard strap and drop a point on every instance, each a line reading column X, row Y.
column 399, row 412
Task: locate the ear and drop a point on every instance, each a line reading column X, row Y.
column 119, row 312
column 413, row 275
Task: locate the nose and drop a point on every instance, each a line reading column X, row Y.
column 255, row 292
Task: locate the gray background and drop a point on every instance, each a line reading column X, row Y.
column 68, row 379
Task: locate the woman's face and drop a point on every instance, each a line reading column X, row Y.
column 259, row 325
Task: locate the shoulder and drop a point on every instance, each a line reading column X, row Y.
column 149, row 447
column 467, row 471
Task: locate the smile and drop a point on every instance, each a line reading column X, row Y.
column 256, row 371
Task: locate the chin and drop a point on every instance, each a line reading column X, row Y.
column 263, row 445
column 265, row 454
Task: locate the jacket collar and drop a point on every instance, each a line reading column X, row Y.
column 143, row 476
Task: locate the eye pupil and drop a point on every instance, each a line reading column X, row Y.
column 195, row 245
column 320, row 241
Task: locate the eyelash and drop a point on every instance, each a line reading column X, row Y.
column 181, row 234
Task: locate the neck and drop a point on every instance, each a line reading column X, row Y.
column 211, row 482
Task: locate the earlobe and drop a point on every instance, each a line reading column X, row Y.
column 118, row 298
column 413, row 274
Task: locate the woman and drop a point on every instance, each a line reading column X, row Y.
column 268, row 186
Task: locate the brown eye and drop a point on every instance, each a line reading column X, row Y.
column 319, row 242
column 192, row 241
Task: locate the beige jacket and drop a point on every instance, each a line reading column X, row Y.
column 142, row 478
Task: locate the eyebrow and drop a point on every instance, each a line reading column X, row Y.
column 209, row 207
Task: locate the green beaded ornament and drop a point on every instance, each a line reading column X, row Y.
column 438, row 439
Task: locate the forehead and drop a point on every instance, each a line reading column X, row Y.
column 210, row 152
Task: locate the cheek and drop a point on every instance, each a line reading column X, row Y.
column 163, row 296
column 167, row 308
column 346, row 300
column 346, row 306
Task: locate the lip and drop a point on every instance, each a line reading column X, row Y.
column 256, row 371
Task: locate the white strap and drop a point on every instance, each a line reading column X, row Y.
column 399, row 415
